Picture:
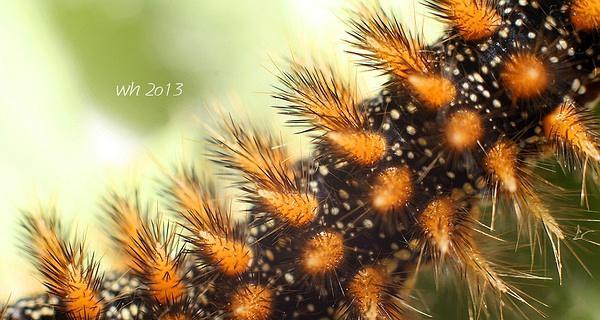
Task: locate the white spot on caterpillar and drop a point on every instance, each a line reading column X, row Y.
column 343, row 194
column 478, row 77
column 575, row 85
column 289, row 278
column 562, row 44
column 335, row 211
column 323, row 170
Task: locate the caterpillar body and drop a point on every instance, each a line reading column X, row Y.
column 396, row 183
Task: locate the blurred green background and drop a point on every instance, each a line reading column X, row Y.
column 66, row 137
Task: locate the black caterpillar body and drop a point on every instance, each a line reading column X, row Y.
column 396, row 182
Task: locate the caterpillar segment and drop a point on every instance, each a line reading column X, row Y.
column 63, row 266
column 322, row 100
column 158, row 262
column 447, row 233
column 271, row 184
column 218, row 242
column 395, row 185
column 384, row 45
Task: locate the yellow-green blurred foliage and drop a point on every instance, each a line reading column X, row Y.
column 67, row 138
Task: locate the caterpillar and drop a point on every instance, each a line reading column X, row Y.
column 427, row 174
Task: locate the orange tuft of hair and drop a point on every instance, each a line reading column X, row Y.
column 391, row 190
column 216, row 240
column 62, row 267
column 165, row 282
column 367, row 288
column 330, row 104
column 449, row 233
column 260, row 156
column 433, row 90
column 438, row 222
column 151, row 249
column 79, row 290
column 159, row 262
column 320, row 97
column 567, row 126
column 323, row 253
column 501, row 161
column 232, row 256
column 473, row 19
column 364, row 147
column 463, row 129
column 585, row 14
column 297, row 209
column 251, row 302
column 270, row 172
column 525, row 76
column 385, row 45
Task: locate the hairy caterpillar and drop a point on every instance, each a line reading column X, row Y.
column 394, row 185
